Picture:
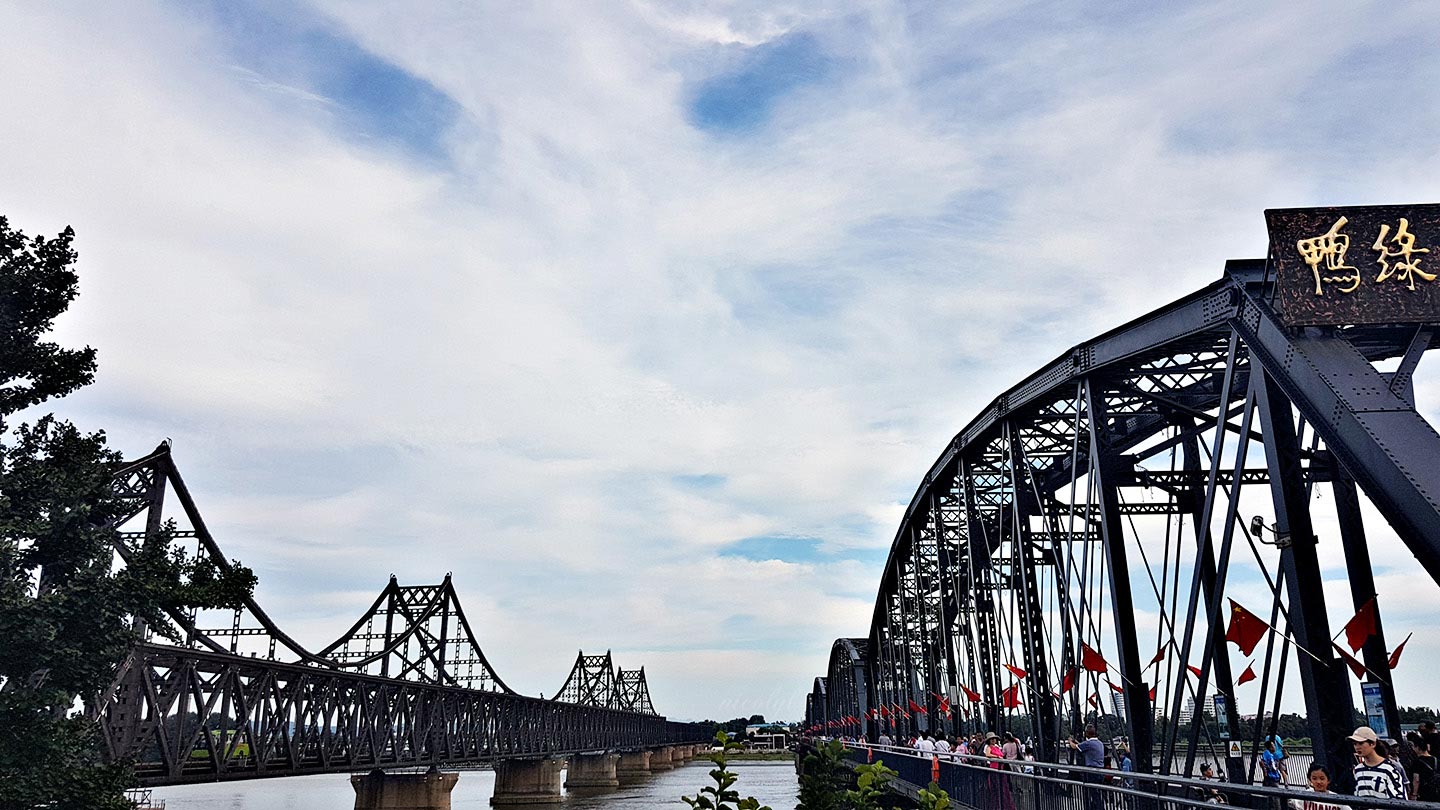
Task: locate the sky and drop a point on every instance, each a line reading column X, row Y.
column 645, row 319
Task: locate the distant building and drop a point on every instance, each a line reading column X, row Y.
column 1189, row 711
column 766, row 736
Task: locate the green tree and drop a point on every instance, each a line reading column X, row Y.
column 722, row 795
column 869, row 786
column 67, row 613
column 823, row 777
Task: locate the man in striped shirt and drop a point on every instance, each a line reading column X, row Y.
column 1375, row 776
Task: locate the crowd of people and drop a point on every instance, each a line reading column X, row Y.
column 1383, row 769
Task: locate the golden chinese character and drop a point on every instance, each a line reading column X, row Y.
column 1330, row 248
column 1409, row 267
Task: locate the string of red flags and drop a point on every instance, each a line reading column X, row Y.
column 1361, row 626
column 1092, row 660
column 1246, row 629
column 1010, row 698
column 1016, row 671
column 1395, row 656
column 1068, row 681
column 1350, row 661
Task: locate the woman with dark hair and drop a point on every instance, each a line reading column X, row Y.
column 1319, row 784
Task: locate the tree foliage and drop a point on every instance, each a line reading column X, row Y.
column 68, row 613
column 722, row 795
column 823, row 777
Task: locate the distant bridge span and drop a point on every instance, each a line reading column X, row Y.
column 1049, row 568
column 407, row 685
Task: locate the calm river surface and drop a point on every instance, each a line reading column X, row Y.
column 773, row 783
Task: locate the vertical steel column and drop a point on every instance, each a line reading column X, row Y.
column 1327, row 692
column 1194, row 497
column 1362, row 586
column 983, row 599
column 1032, row 619
column 1106, row 465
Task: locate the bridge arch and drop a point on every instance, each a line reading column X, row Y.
column 1074, row 547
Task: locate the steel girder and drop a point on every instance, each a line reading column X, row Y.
column 406, row 685
column 1046, row 492
column 185, row 715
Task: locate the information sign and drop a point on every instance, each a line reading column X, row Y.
column 1356, row 265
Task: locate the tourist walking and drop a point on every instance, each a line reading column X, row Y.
column 1376, row 775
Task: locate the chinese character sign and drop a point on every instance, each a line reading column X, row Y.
column 1361, row 265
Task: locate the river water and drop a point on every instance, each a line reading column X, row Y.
column 773, row 783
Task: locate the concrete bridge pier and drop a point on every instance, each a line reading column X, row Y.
column 527, row 781
column 591, row 774
column 660, row 759
column 633, row 766
column 378, row 790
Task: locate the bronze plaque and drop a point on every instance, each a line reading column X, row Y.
column 1356, row 265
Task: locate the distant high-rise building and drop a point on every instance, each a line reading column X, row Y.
column 1117, row 702
column 1189, row 710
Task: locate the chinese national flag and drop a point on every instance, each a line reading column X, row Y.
column 885, row 711
column 944, row 702
column 1361, row 626
column 1246, row 629
column 1092, row 660
column 917, row 709
column 1116, row 688
column 970, row 694
column 1010, row 698
column 1395, row 656
column 1068, row 682
column 1355, row 666
column 1016, row 671
column 1159, row 656
column 1247, row 676
column 1194, row 669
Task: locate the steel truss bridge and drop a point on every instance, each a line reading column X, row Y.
column 1075, row 547
column 406, row 685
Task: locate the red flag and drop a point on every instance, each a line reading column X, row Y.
column 944, row 702
column 1092, row 660
column 1361, row 626
column 1152, row 694
column 874, row 715
column 1016, row 671
column 1355, row 666
column 885, row 711
column 916, row 708
column 970, row 694
column 1395, row 656
column 1159, row 656
column 1094, row 699
column 1067, row 682
column 1246, row 629
column 1116, row 688
column 1194, row 669
column 1010, row 698
column 1247, row 676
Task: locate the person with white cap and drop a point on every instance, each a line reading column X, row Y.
column 1375, row 775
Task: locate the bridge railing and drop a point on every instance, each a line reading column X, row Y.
column 989, row 784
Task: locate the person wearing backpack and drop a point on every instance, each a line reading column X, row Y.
column 1424, row 781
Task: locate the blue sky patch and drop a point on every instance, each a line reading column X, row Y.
column 705, row 481
column 303, row 58
column 742, row 100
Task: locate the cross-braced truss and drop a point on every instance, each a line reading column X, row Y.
column 233, row 696
column 1069, row 552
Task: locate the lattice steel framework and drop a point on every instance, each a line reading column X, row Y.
column 406, row 685
column 1104, row 501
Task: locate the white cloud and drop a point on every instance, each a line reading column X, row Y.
column 500, row 364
